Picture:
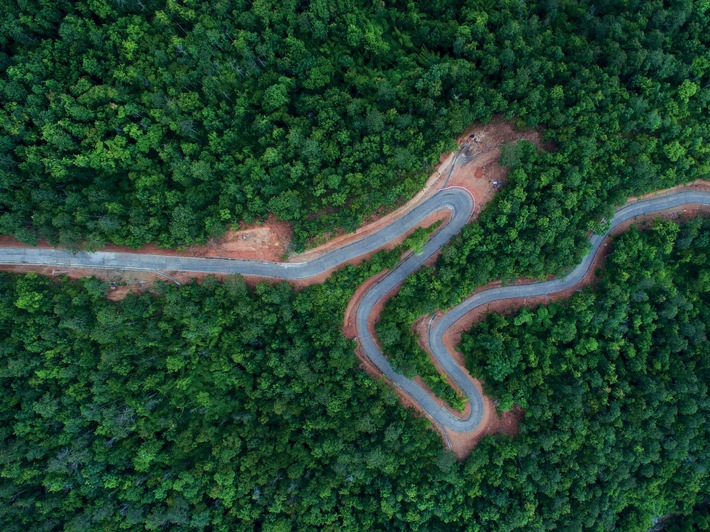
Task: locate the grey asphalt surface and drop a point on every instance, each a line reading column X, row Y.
column 439, row 327
column 457, row 200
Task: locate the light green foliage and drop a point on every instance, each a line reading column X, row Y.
column 420, row 237
column 130, row 123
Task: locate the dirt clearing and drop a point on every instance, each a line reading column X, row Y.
column 477, row 168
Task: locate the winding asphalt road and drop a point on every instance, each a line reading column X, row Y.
column 456, row 200
column 438, row 329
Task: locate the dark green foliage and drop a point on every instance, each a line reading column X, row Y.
column 225, row 408
column 698, row 519
column 132, row 121
column 202, row 405
column 163, row 121
column 614, row 384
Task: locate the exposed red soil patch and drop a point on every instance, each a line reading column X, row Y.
column 477, row 168
column 265, row 241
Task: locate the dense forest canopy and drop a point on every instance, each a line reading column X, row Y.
column 215, row 406
column 614, row 382
column 132, row 121
column 220, row 407
column 622, row 91
column 699, row 519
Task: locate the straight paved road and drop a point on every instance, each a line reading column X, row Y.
column 461, row 205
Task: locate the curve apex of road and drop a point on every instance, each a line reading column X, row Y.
column 447, row 419
column 457, row 200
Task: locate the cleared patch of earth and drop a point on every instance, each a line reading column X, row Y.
column 262, row 241
column 477, row 168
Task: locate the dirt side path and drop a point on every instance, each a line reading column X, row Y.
column 699, row 184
